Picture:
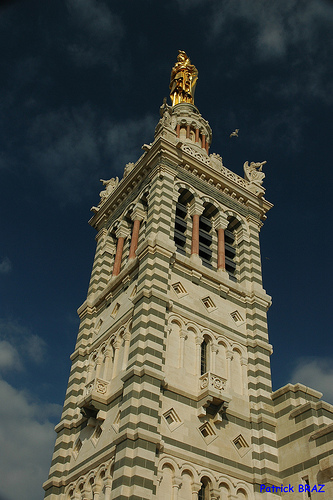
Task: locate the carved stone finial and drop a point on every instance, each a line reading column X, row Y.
column 183, row 80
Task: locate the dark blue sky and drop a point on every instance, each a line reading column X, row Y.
column 80, row 90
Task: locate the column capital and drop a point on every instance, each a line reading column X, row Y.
column 123, row 230
column 214, row 494
column 177, row 481
column 138, row 213
column 220, row 221
column 196, row 208
column 196, row 487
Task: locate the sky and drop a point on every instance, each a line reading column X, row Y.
column 80, row 90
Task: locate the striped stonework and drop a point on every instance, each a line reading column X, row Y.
column 170, row 395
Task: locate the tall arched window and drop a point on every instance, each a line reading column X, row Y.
column 180, row 220
column 203, row 493
column 230, row 247
column 205, row 234
column 203, row 357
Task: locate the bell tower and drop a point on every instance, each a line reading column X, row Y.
column 169, row 395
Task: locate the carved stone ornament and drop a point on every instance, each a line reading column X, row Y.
column 110, row 186
column 216, row 161
column 128, row 168
column 254, row 175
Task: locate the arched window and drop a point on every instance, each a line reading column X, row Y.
column 230, row 247
column 203, row 357
column 203, row 493
column 180, row 220
column 205, row 234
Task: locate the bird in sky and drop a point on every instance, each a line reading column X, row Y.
column 235, row 133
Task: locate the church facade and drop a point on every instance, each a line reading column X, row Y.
column 169, row 394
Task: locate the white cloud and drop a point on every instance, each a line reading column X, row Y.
column 9, row 357
column 69, row 147
column 316, row 373
column 17, row 343
column 5, row 266
column 26, row 440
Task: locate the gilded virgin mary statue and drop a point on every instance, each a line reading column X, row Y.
column 183, row 80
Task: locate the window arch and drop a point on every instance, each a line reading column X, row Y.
column 204, row 356
column 181, row 220
column 203, row 493
column 206, row 234
column 230, row 247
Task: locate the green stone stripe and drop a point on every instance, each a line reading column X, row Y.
column 297, row 435
column 259, row 373
column 265, row 456
column 324, row 439
column 146, row 350
column 308, row 464
column 262, row 440
column 214, row 322
column 260, row 399
column 259, row 361
column 139, row 425
column 259, row 385
column 211, row 456
column 140, row 410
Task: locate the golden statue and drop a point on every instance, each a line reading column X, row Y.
column 183, row 80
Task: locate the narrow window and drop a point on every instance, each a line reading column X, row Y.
column 203, row 357
column 180, row 220
column 230, row 247
column 205, row 234
column 205, row 241
column 203, row 493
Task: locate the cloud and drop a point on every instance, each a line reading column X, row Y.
column 26, row 439
column 316, row 373
column 9, row 356
column 5, row 266
column 98, row 34
column 17, row 343
column 68, row 148
column 295, row 33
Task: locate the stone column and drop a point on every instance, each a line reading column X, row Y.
column 220, row 224
column 197, row 134
column 213, row 351
column 243, row 362
column 86, row 493
column 108, row 487
column 108, row 356
column 188, row 131
column 229, row 356
column 195, row 490
column 97, row 488
column 175, row 487
column 178, row 130
column 203, row 141
column 116, row 346
column 126, row 338
column 98, row 366
column 198, row 342
column 121, row 234
column 183, row 337
column 214, row 494
column 195, row 210
column 137, row 216
column 89, row 372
